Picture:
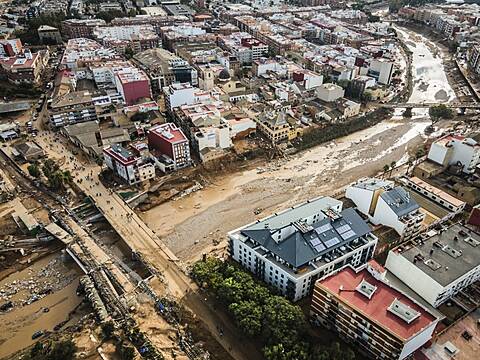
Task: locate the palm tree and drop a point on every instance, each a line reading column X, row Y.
column 410, row 162
column 392, row 167
column 386, row 167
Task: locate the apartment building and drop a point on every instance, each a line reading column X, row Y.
column 10, row 47
column 80, row 51
column 440, row 197
column 128, row 165
column 439, row 265
column 387, row 205
column 80, row 28
column 473, row 58
column 169, row 144
column 291, row 249
column 135, row 37
column 132, row 84
column 365, row 309
column 25, row 68
column 456, row 150
column 165, row 68
column 244, row 47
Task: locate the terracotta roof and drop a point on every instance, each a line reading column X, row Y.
column 376, row 308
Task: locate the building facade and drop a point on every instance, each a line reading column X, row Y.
column 168, row 141
column 368, row 311
column 440, row 265
column 290, row 250
column 127, row 165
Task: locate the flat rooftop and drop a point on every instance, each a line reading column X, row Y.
column 377, row 305
column 456, row 251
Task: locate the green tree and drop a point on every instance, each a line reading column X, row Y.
column 49, row 167
column 283, row 322
column 129, row 52
column 248, row 316
column 63, row 350
column 344, row 83
column 34, row 170
column 386, row 167
column 392, row 167
column 440, row 111
column 108, row 16
column 107, row 330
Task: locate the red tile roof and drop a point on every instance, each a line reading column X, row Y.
column 169, row 128
column 375, row 308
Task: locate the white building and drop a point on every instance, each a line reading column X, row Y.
column 387, row 205
column 439, row 266
column 381, row 70
column 179, row 94
column 365, row 193
column 456, row 150
column 290, row 250
column 128, row 166
column 454, row 205
column 329, row 92
column 398, row 210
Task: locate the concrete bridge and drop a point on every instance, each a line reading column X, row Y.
column 453, row 105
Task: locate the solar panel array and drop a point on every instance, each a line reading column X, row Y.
column 347, row 235
column 320, row 247
column 326, row 236
column 332, row 242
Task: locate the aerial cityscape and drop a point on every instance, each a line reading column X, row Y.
column 239, row 179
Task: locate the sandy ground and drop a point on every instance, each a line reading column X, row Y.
column 192, row 225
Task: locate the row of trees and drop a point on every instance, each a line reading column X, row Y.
column 280, row 325
column 57, row 178
column 321, row 135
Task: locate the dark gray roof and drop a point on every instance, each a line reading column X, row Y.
column 400, row 201
column 322, row 237
column 456, row 251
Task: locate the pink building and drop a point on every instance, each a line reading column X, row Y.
column 133, row 84
column 169, row 142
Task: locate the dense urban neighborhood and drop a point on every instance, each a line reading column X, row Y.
column 239, row 180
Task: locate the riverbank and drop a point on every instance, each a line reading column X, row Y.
column 457, row 80
column 198, row 223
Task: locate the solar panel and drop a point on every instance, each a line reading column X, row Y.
column 315, row 242
column 323, row 228
column 320, row 247
column 331, row 242
column 343, row 228
column 348, row 234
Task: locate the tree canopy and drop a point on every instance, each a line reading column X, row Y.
column 259, row 314
column 440, row 111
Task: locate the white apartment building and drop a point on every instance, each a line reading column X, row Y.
column 456, row 150
column 398, row 210
column 445, row 200
column 329, row 92
column 290, row 250
column 381, row 70
column 387, row 205
column 179, row 94
column 128, row 166
column 440, row 265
